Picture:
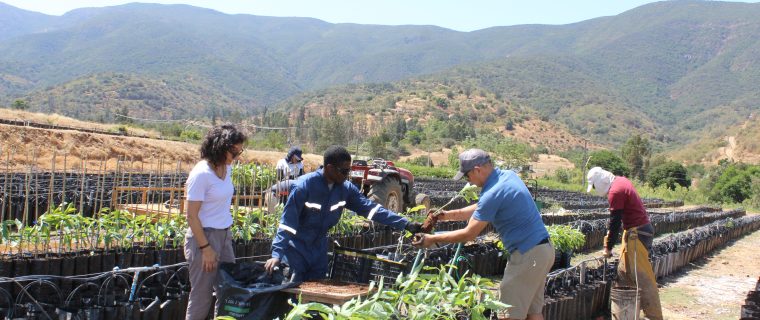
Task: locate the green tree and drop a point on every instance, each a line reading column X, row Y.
column 20, row 105
column 441, row 102
column 735, row 183
column 563, row 175
column 669, row 174
column 377, row 147
column 609, row 161
column 275, row 139
column 636, row 152
column 124, row 111
column 510, row 125
column 512, row 153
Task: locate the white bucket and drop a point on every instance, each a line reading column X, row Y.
column 625, row 304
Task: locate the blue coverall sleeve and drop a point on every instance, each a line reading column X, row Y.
column 364, row 207
column 289, row 221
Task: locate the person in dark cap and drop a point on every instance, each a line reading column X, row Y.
column 290, row 167
column 506, row 203
column 287, row 170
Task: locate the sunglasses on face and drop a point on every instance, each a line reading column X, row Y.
column 237, row 153
column 467, row 174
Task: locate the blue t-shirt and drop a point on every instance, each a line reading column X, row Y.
column 506, row 202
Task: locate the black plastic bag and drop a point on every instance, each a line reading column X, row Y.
column 247, row 292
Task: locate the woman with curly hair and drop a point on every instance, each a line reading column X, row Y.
column 209, row 193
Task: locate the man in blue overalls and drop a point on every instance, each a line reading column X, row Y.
column 315, row 204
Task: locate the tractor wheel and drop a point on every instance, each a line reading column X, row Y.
column 388, row 194
column 424, row 200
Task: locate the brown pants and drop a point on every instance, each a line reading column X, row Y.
column 635, row 267
column 524, row 281
column 202, row 283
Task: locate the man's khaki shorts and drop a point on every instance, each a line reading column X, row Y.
column 524, row 280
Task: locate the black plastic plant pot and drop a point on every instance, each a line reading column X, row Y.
column 6, row 271
column 21, row 269
column 6, row 267
column 67, row 270
column 119, row 311
column 150, row 256
column 240, row 249
column 6, row 312
column 152, row 311
column 94, row 313
column 182, row 301
column 81, row 265
column 250, row 249
column 138, row 259
column 6, row 304
column 55, row 266
column 124, row 259
column 180, row 255
column 168, row 310
column 66, row 313
column 166, row 257
column 108, row 261
column 95, row 263
column 19, row 312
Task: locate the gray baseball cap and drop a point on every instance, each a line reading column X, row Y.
column 469, row 159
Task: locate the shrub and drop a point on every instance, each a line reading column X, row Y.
column 422, row 161
column 670, row 174
column 610, row 162
column 425, row 171
column 735, row 183
column 191, row 135
column 447, row 142
column 563, row 175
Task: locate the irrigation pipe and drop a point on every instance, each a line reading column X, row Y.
column 37, row 303
column 454, row 259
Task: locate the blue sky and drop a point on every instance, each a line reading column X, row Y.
column 462, row 15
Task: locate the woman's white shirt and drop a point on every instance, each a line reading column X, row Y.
column 214, row 193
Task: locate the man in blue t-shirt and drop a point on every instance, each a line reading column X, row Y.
column 506, row 202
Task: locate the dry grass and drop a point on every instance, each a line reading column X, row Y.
column 47, row 149
column 59, row 120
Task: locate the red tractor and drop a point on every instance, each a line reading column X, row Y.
column 382, row 182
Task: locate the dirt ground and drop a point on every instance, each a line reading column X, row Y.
column 60, row 120
column 547, row 164
column 47, row 149
column 439, row 157
column 714, row 287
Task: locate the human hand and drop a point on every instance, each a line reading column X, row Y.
column 271, row 265
column 607, row 253
column 422, row 240
column 210, row 259
column 413, row 227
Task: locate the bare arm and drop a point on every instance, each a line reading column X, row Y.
column 209, row 255
column 462, row 214
column 470, row 232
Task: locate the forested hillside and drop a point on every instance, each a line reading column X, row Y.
column 678, row 72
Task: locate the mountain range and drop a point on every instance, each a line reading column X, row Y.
column 676, row 71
